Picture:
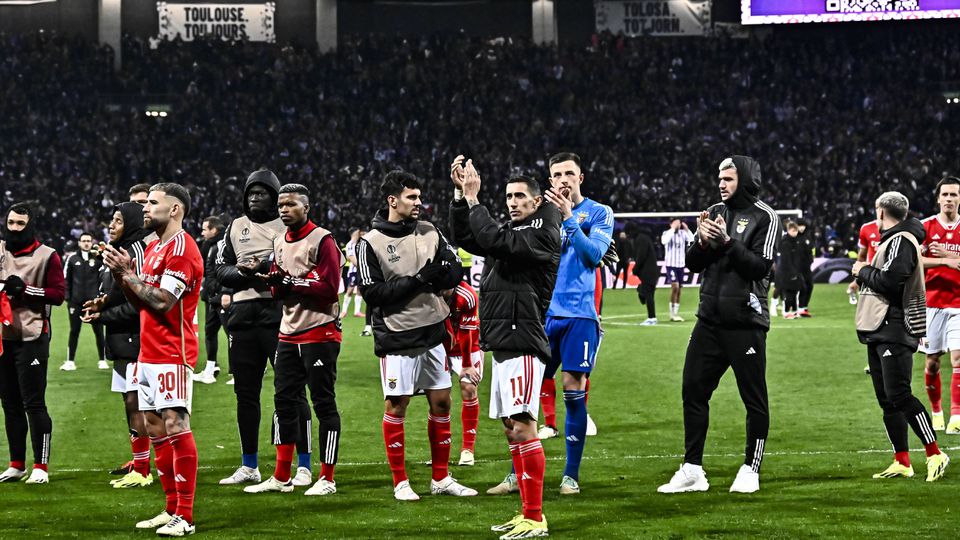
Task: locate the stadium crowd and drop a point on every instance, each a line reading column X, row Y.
column 651, row 117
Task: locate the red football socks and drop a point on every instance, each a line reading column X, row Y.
column 931, row 449
column 393, row 440
column 470, row 417
column 141, row 454
column 163, row 459
column 548, row 402
column 326, row 471
column 21, row 465
column 438, row 430
column 284, row 460
column 530, row 478
column 185, row 472
column 932, row 382
column 902, row 458
column 954, row 391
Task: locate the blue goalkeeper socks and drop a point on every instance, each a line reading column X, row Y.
column 303, row 460
column 249, row 460
column 575, row 430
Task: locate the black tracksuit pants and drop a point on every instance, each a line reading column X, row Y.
column 211, row 330
column 807, row 291
column 76, row 311
column 23, row 387
column 313, row 365
column 648, row 295
column 711, row 351
column 891, row 368
column 250, row 350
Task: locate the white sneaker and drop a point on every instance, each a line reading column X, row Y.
column 449, row 486
column 367, row 331
column 322, row 487
column 403, row 492
column 176, row 527
column 230, row 382
column 68, row 365
column 649, row 322
column 676, row 318
column 304, row 477
column 509, row 485
column 270, row 484
column 204, row 377
column 12, row 474
column 747, row 481
column 547, row 432
column 591, row 427
column 103, row 365
column 466, row 458
column 38, row 476
column 159, row 521
column 242, row 475
column 687, row 478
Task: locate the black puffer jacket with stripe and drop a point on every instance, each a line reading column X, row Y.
column 735, row 276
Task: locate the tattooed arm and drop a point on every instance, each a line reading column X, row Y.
column 140, row 294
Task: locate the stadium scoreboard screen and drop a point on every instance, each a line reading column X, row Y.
column 812, row 11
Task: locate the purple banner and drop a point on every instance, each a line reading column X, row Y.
column 798, row 11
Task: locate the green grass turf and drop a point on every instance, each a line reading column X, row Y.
column 826, row 440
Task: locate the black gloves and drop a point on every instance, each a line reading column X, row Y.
column 14, row 286
column 433, row 273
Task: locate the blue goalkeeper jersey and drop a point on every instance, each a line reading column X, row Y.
column 585, row 238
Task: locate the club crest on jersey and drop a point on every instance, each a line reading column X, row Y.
column 742, row 225
column 392, row 251
column 582, row 216
column 392, row 383
column 949, row 237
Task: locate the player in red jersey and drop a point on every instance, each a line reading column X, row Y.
column 867, row 244
column 166, row 293
column 466, row 360
column 941, row 260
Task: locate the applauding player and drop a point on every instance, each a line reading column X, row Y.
column 166, row 292
column 523, row 256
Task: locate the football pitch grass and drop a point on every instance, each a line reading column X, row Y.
column 826, row 440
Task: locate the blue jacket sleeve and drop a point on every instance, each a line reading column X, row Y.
column 591, row 248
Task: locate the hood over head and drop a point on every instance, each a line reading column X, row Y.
column 133, row 229
column 20, row 240
column 263, row 177
column 748, row 181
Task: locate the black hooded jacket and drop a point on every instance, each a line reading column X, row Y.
column 391, row 296
column 119, row 315
column 734, row 277
column 250, row 313
column 889, row 282
column 210, row 291
column 519, row 273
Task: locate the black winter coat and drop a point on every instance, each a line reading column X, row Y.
column 734, row 277
column 519, row 272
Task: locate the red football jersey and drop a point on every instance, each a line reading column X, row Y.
column 943, row 283
column 463, row 325
column 869, row 238
column 177, row 267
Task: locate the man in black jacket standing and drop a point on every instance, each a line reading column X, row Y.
column 891, row 318
column 645, row 267
column 82, row 276
column 405, row 264
column 806, row 260
column 520, row 270
column 253, row 320
column 734, row 249
column 212, row 233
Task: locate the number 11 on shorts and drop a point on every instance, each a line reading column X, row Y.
column 516, row 384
